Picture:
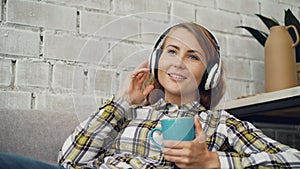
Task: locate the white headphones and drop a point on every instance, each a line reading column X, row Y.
column 213, row 71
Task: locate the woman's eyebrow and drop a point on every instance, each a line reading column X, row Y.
column 189, row 51
column 174, row 46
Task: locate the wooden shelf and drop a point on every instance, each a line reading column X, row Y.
column 274, row 107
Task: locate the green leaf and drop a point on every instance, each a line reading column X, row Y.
column 260, row 36
column 268, row 21
column 290, row 19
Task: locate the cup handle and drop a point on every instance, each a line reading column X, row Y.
column 151, row 137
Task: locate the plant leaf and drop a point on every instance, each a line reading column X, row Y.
column 260, row 36
column 290, row 19
column 268, row 21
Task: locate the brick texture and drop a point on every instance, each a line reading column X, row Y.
column 32, row 73
column 6, row 72
column 41, row 15
column 19, row 42
column 15, row 100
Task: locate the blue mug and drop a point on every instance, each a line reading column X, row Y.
column 181, row 129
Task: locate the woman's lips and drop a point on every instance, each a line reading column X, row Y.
column 176, row 77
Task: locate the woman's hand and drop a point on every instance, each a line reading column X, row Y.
column 191, row 154
column 132, row 89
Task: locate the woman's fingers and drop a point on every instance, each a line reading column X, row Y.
column 139, row 71
column 147, row 90
column 199, row 130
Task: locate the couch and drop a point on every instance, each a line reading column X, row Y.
column 34, row 133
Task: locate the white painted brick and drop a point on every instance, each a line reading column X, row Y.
column 183, row 10
column 94, row 4
column 72, row 48
column 5, row 72
column 128, row 6
column 68, row 77
column 204, row 3
column 41, row 15
column 52, row 102
column 135, row 59
column 291, row 2
column 218, row 20
column 245, row 47
column 0, row 10
column 136, row 6
column 272, row 9
column 94, row 52
column 243, row 7
column 19, row 42
column 140, row 8
column 15, row 100
column 85, row 105
column 237, row 68
column 222, row 43
column 150, row 30
column 124, row 28
column 235, row 88
column 102, row 81
column 64, row 47
column 258, row 74
column 121, row 53
column 91, row 23
column 31, row 73
column 258, row 70
column 156, row 6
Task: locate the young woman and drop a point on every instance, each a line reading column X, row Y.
column 183, row 78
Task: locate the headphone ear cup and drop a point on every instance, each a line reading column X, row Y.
column 158, row 53
column 210, row 78
column 203, row 81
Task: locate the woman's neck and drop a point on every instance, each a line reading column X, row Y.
column 181, row 99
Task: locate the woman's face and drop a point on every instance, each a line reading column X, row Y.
column 181, row 66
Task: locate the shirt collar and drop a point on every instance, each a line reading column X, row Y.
column 161, row 104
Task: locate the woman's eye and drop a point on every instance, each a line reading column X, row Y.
column 193, row 57
column 172, row 52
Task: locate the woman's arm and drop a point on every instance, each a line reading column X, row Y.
column 254, row 149
column 94, row 136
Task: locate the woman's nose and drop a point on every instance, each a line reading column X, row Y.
column 179, row 62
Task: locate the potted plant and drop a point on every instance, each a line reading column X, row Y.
column 262, row 37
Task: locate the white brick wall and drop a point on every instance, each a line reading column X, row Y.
column 41, row 15
column 1, row 10
column 15, row 100
column 32, row 73
column 6, row 72
column 19, row 42
column 86, row 48
column 243, row 7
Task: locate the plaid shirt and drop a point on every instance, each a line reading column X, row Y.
column 118, row 137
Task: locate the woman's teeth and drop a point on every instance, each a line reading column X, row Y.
column 175, row 76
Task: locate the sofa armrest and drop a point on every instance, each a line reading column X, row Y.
column 34, row 133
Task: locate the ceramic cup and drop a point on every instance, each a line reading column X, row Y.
column 181, row 129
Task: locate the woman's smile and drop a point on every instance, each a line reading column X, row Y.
column 177, row 77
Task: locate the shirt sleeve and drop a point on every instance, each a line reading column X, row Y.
column 94, row 136
column 255, row 150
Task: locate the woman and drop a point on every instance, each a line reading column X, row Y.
column 185, row 80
